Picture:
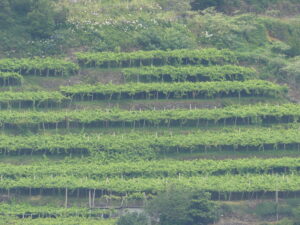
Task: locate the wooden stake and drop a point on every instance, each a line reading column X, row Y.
column 66, row 199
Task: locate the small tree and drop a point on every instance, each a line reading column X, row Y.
column 201, row 210
column 6, row 18
column 41, row 19
column 183, row 207
column 170, row 207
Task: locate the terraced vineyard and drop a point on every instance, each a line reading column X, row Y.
column 65, row 147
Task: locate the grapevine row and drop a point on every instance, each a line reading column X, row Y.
column 56, row 221
column 225, row 183
column 29, row 98
column 152, row 169
column 10, row 79
column 189, row 73
column 137, row 142
column 154, row 58
column 252, row 114
column 39, row 66
column 26, row 210
column 174, row 90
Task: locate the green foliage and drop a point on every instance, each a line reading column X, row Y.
column 21, row 7
column 287, row 31
column 220, row 184
column 291, row 72
column 28, row 26
column 124, row 166
column 222, row 31
column 183, row 207
column 179, row 6
column 175, row 37
column 203, row 4
column 39, row 66
column 266, row 209
column 204, row 56
column 41, row 19
column 171, row 207
column 17, row 42
column 108, row 38
column 28, row 210
column 201, row 210
column 296, row 213
column 189, row 90
column 286, row 221
column 133, row 219
column 251, row 114
column 132, row 25
column 168, row 168
column 10, row 79
column 189, row 73
column 151, row 145
column 56, row 221
column 280, row 47
column 30, row 98
column 6, row 18
column 56, row 26
column 243, row 6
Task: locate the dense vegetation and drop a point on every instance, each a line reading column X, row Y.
column 39, row 66
column 184, row 207
column 169, row 108
column 189, row 73
column 175, row 90
column 140, row 58
column 247, row 5
column 252, row 114
column 220, row 184
column 55, row 221
column 10, row 79
column 150, row 145
column 152, row 169
column 9, row 99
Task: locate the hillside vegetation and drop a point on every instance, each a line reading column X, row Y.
column 105, row 105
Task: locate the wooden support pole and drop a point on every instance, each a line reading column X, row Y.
column 66, row 198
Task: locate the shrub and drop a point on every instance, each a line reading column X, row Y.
column 133, row 219
column 183, row 207
column 174, row 37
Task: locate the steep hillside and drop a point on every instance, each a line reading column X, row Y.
column 106, row 104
